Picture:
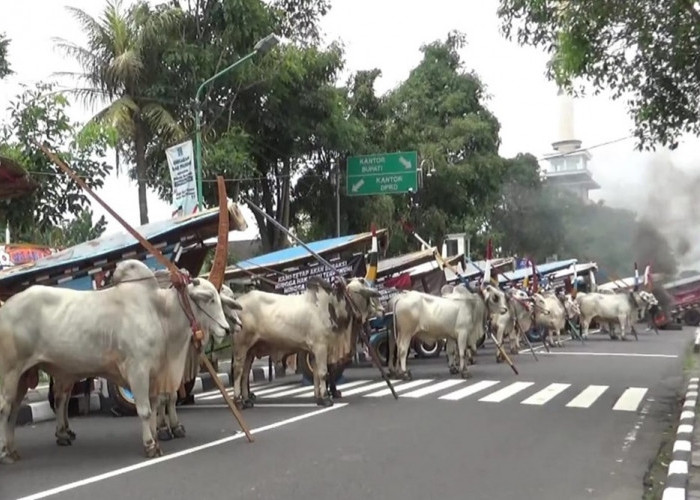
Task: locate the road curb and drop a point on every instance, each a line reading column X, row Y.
column 678, row 468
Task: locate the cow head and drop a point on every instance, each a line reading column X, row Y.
column 230, row 306
column 207, row 308
column 572, row 308
column 540, row 304
column 365, row 298
column 495, row 299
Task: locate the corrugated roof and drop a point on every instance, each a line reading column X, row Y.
column 386, row 267
column 288, row 257
column 546, row 268
column 105, row 246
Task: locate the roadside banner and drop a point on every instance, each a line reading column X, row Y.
column 181, row 163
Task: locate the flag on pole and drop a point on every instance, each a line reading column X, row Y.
column 487, row 267
column 636, row 277
column 371, row 274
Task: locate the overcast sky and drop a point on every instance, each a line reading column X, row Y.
column 388, row 35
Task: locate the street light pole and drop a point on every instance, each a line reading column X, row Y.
column 337, row 198
column 262, row 47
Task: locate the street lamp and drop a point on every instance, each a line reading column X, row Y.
column 262, row 47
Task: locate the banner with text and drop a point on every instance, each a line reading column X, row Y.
column 294, row 281
column 184, row 182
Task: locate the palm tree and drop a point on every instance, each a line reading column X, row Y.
column 120, row 64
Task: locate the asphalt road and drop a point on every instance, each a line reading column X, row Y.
column 582, row 422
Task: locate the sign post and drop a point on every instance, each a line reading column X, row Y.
column 182, row 174
column 386, row 173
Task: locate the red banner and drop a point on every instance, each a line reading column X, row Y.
column 16, row 254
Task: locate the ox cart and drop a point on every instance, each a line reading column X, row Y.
column 185, row 241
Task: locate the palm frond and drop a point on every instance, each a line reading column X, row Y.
column 161, row 122
column 89, row 96
column 125, row 68
column 120, row 115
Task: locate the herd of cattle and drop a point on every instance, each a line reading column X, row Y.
column 137, row 333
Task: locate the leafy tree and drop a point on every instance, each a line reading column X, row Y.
column 267, row 120
column 120, row 64
column 4, row 63
column 40, row 114
column 645, row 51
column 70, row 232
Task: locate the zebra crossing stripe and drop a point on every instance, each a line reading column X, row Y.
column 205, row 396
column 468, row 391
column 546, row 394
column 275, row 389
column 419, row 393
column 399, row 388
column 587, row 397
column 630, row 399
column 506, row 392
column 347, row 385
column 366, row 388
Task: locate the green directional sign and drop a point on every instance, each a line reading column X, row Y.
column 387, row 173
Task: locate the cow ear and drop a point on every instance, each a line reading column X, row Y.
column 369, row 293
column 231, row 303
column 195, row 281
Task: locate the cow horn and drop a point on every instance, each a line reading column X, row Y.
column 218, row 267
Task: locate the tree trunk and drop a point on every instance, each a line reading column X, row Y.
column 140, row 145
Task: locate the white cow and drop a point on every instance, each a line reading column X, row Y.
column 511, row 314
column 550, row 315
column 134, row 334
column 427, row 316
column 480, row 318
column 319, row 321
column 169, row 424
column 612, row 309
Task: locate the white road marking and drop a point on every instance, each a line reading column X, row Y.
column 275, row 389
column 587, row 397
column 630, row 399
column 506, row 392
column 203, row 395
column 279, row 387
column 618, row 354
column 469, row 390
column 419, row 393
column 546, row 394
column 347, row 385
column 154, row 461
column 399, row 388
column 365, row 388
column 257, row 405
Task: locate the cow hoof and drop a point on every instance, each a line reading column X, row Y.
column 252, row 396
column 9, row 458
column 179, row 431
column 514, row 351
column 499, row 358
column 63, row 441
column 164, row 434
column 336, row 394
column 471, row 361
column 325, row 402
column 71, row 435
column 247, row 403
column 454, row 370
column 466, row 374
column 624, row 338
column 153, row 450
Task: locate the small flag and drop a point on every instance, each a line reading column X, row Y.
column 636, row 277
column 647, row 277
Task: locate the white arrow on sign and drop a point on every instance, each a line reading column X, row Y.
column 406, row 163
column 355, row 187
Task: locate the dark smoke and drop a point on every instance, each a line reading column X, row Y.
column 671, row 204
column 650, row 246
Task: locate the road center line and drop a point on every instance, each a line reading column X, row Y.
column 620, row 354
column 178, row 454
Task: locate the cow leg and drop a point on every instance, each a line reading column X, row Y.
column 163, row 430
column 248, row 397
column 623, row 326
column 320, row 374
column 62, row 390
column 585, row 322
column 240, row 382
column 462, row 348
column 403, row 344
column 138, row 383
column 451, row 351
column 176, row 427
column 14, row 412
column 8, row 394
column 392, row 358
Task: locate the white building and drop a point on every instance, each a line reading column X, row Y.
column 567, row 165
